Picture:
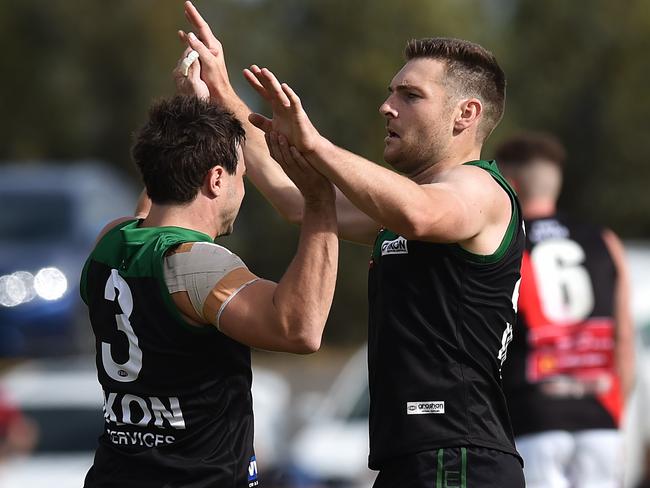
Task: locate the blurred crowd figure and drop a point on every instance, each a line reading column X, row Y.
column 18, row 434
column 571, row 363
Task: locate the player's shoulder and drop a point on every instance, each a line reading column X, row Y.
column 202, row 257
column 477, row 186
column 112, row 225
column 467, row 175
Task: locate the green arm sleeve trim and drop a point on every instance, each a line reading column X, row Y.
column 491, row 167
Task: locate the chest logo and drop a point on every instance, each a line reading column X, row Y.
column 424, row 408
column 397, row 246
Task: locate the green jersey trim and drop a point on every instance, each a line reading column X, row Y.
column 496, row 256
column 140, row 241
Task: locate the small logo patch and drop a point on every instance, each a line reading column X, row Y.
column 424, row 408
column 397, row 246
column 252, row 473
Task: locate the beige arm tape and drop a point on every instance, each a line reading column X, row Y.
column 210, row 274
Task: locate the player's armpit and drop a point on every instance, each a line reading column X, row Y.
column 353, row 224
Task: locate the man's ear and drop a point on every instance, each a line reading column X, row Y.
column 468, row 114
column 213, row 183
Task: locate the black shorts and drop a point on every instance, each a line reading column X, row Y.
column 451, row 467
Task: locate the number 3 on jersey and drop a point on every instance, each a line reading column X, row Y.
column 564, row 286
column 128, row 371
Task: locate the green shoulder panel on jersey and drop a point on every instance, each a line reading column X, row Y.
column 145, row 249
column 110, row 236
column 496, row 256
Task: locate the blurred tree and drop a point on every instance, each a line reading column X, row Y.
column 579, row 69
column 79, row 77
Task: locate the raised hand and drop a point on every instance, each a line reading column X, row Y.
column 314, row 187
column 190, row 84
column 289, row 118
column 213, row 65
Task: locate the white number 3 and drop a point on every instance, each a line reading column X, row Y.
column 128, row 371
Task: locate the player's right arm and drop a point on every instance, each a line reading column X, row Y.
column 624, row 352
column 286, row 316
column 265, row 173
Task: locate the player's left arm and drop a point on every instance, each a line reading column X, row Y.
column 624, row 352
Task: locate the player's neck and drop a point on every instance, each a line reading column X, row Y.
column 538, row 208
column 185, row 216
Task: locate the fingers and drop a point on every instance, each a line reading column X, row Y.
column 194, row 72
column 293, row 98
column 250, row 76
column 272, row 86
column 261, row 122
column 187, row 51
column 268, row 87
column 196, row 44
column 202, row 28
column 286, row 153
column 299, row 158
column 274, row 148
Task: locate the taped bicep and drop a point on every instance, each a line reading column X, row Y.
column 210, row 274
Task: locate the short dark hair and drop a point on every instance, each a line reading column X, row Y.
column 527, row 146
column 472, row 69
column 181, row 141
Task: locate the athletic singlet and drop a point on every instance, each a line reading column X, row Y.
column 560, row 373
column 177, row 400
column 439, row 326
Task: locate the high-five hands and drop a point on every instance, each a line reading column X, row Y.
column 289, row 118
column 289, row 134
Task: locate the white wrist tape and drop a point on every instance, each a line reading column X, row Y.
column 187, row 62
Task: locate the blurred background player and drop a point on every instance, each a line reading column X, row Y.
column 570, row 364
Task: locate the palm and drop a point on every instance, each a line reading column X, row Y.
column 289, row 118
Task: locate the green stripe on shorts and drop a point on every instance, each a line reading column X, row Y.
column 463, row 467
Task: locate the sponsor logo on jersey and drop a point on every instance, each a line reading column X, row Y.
column 425, row 408
column 252, row 473
column 397, row 246
column 542, row 230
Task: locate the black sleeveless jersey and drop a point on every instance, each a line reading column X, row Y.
column 560, row 373
column 177, row 400
column 439, row 326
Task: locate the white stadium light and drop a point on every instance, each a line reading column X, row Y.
column 50, row 283
column 12, row 291
column 28, row 281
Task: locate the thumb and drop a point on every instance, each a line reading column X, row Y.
column 261, row 122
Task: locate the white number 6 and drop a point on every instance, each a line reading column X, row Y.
column 564, row 284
